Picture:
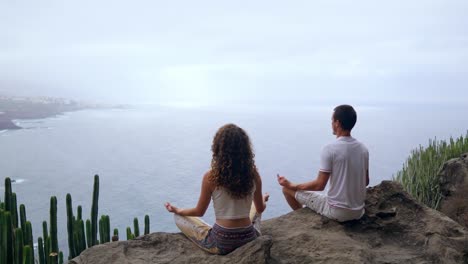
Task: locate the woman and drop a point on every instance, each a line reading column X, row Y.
column 233, row 183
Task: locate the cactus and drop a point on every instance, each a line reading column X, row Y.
column 60, row 257
column 88, row 233
column 147, row 225
column 94, row 211
column 19, row 245
column 81, row 236
column 115, row 237
column 79, row 212
column 40, row 245
column 14, row 211
column 106, row 228
column 2, row 237
column 23, row 219
column 7, row 194
column 101, row 230
column 129, row 233
column 29, row 236
column 8, row 237
column 45, row 231
column 27, row 255
column 136, row 227
column 53, row 258
column 53, row 225
column 70, row 224
column 47, row 249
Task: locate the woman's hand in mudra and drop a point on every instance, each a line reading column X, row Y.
column 170, row 208
column 266, row 196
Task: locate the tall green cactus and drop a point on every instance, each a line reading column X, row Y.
column 147, row 225
column 40, row 245
column 53, row 258
column 94, row 211
column 53, row 225
column 7, row 194
column 2, row 237
column 70, row 225
column 28, row 257
column 136, row 227
column 29, row 236
column 88, row 233
column 60, row 258
column 19, row 245
column 81, row 236
column 45, row 231
column 14, row 211
column 23, row 219
column 79, row 213
column 47, row 249
column 8, row 237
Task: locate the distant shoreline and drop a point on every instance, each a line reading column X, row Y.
column 6, row 120
column 18, row 108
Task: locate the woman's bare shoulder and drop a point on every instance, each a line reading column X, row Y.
column 207, row 175
column 208, row 180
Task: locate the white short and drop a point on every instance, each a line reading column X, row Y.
column 318, row 203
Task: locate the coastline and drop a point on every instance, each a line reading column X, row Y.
column 7, row 124
column 19, row 108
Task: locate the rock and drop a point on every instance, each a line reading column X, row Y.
column 395, row 229
column 453, row 180
column 453, row 174
column 170, row 248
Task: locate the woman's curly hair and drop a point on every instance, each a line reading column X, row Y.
column 233, row 166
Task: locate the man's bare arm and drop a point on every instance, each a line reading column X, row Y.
column 316, row 185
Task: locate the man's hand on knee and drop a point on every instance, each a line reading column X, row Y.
column 285, row 183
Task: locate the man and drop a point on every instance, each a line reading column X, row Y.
column 345, row 164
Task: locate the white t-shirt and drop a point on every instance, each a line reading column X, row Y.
column 347, row 161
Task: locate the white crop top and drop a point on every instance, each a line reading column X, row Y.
column 226, row 207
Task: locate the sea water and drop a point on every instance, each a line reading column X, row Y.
column 148, row 155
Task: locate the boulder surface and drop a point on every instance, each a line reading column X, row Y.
column 395, row 229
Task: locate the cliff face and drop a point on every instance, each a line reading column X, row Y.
column 395, row 229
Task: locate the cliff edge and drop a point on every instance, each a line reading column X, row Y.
column 395, row 229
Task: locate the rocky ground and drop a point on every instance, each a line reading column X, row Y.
column 395, row 229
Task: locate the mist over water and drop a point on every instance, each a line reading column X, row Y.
column 148, row 155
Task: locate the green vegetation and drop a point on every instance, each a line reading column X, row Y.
column 147, row 224
column 16, row 242
column 419, row 175
column 94, row 212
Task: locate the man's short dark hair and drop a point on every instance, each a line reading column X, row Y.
column 346, row 115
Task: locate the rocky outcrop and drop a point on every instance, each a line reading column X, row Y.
column 395, row 229
column 170, row 248
column 454, row 186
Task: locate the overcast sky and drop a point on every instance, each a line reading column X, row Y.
column 236, row 51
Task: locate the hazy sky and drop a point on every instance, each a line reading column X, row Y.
column 236, row 51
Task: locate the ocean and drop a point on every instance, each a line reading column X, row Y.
column 148, row 155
